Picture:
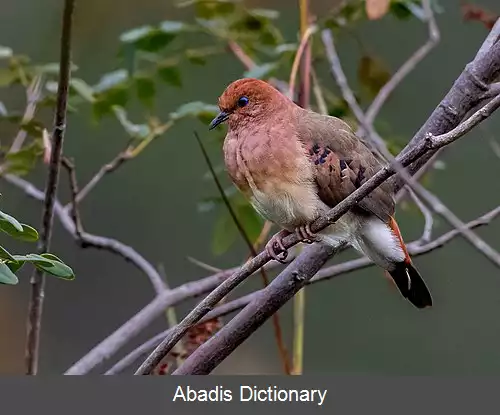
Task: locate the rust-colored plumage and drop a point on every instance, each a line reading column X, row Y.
column 294, row 164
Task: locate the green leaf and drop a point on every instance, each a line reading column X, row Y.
column 170, row 74
column 250, row 220
column 23, row 161
column 266, row 13
column 32, row 258
column 153, row 38
column 136, row 34
column 286, row 48
column 5, row 52
column 51, row 257
column 225, row 233
column 57, row 269
column 146, row 89
column 83, row 89
column 52, row 68
column 212, row 9
column 4, row 254
column 112, row 90
column 260, row 71
column 138, row 131
column 204, row 112
column 373, row 74
column 112, row 80
column 28, row 233
column 15, row 266
column 48, row 264
column 170, row 26
column 6, row 275
column 7, row 76
column 13, row 221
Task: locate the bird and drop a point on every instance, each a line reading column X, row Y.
column 294, row 164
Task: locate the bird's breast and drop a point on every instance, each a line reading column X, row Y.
column 276, row 176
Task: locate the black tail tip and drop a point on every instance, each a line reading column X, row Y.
column 411, row 285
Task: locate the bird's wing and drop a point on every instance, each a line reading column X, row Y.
column 342, row 163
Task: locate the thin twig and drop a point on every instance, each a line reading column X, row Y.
column 278, row 333
column 203, row 265
column 304, row 42
column 38, row 279
column 110, row 167
column 318, row 93
column 407, row 67
column 428, row 218
column 33, row 95
column 246, row 60
column 74, row 211
column 179, row 348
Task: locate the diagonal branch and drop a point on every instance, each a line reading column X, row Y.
column 38, row 279
column 415, row 249
column 407, row 67
column 210, row 354
column 373, row 137
column 318, row 255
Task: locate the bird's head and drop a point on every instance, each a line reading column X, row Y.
column 247, row 100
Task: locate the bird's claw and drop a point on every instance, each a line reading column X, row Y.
column 305, row 234
column 277, row 242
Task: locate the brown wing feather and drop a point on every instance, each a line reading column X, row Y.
column 342, row 163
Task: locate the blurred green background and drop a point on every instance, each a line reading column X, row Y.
column 354, row 324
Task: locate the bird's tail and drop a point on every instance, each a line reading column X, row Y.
column 407, row 278
column 411, row 285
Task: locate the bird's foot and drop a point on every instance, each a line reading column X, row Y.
column 277, row 242
column 305, row 234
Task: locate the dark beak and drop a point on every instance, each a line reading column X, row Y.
column 223, row 116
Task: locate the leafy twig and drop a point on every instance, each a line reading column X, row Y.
column 38, row 279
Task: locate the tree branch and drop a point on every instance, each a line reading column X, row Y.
column 89, row 240
column 430, row 143
column 415, row 249
column 467, row 90
column 373, row 137
column 38, row 279
column 407, row 67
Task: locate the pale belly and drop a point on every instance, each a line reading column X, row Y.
column 288, row 206
column 289, row 212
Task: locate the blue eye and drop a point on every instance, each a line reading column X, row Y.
column 242, row 101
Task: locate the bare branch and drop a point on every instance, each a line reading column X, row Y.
column 429, row 220
column 415, row 249
column 246, row 60
column 75, row 213
column 33, row 95
column 110, row 167
column 38, row 279
column 89, row 240
column 374, row 138
column 407, row 67
column 462, row 97
column 263, row 303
